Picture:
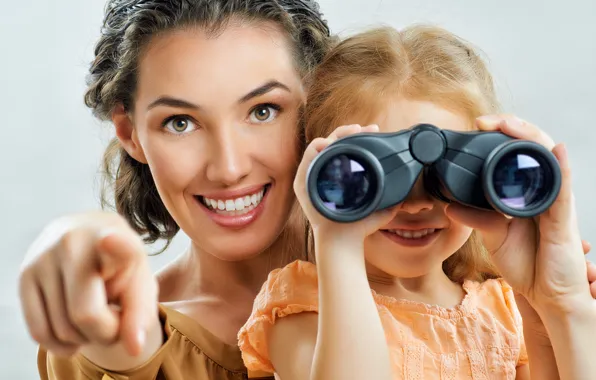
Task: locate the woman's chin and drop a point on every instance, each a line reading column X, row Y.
column 235, row 249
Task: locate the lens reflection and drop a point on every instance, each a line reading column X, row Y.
column 519, row 181
column 344, row 184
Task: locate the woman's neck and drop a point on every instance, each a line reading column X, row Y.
column 238, row 281
column 433, row 288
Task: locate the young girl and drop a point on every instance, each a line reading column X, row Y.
column 438, row 307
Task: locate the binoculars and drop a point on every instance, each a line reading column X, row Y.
column 360, row 174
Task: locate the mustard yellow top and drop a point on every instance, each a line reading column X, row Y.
column 481, row 338
column 189, row 352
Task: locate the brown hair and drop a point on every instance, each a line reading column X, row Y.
column 418, row 63
column 127, row 28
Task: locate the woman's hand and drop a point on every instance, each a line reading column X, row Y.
column 76, row 276
column 541, row 258
column 347, row 232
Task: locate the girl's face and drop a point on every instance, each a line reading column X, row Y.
column 215, row 119
column 420, row 237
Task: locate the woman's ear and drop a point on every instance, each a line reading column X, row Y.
column 126, row 134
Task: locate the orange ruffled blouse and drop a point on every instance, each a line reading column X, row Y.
column 481, row 338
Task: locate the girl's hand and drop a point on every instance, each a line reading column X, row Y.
column 347, row 232
column 541, row 258
column 532, row 319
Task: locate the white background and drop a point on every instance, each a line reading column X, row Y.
column 542, row 52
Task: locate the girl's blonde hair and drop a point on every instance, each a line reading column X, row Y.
column 361, row 73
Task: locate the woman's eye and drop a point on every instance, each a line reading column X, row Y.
column 179, row 124
column 264, row 113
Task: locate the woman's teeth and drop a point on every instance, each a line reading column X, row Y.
column 413, row 234
column 236, row 206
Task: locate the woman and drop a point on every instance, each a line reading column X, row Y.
column 205, row 99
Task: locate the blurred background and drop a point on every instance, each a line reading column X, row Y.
column 542, row 53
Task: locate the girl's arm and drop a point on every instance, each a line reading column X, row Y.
column 542, row 364
column 566, row 352
column 572, row 333
column 349, row 342
column 537, row 340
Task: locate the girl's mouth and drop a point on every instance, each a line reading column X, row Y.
column 412, row 238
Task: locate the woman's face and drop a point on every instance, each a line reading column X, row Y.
column 215, row 119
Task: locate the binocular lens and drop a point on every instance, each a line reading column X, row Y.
column 344, row 184
column 520, row 181
column 350, row 180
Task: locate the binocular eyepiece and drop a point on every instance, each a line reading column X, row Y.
column 366, row 172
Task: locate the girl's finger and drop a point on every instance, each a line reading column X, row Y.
column 371, row 128
column 343, row 131
column 314, row 148
column 492, row 226
column 379, row 219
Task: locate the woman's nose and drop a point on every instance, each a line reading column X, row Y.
column 230, row 159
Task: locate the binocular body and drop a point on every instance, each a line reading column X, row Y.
column 362, row 173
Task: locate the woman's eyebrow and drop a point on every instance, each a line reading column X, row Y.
column 265, row 88
column 169, row 101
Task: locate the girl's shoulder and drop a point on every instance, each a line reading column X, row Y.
column 497, row 299
column 491, row 293
column 297, row 282
column 287, row 290
column 290, row 290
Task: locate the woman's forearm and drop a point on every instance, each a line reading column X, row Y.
column 351, row 343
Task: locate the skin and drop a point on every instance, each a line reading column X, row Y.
column 352, row 258
column 234, row 127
